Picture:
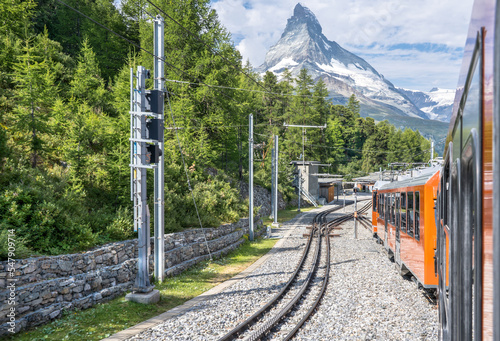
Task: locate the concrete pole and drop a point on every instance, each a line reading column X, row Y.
column 273, row 165
column 159, row 187
column 250, row 177
column 303, row 152
column 276, row 174
column 303, row 165
column 132, row 144
column 355, row 216
column 432, row 150
column 343, row 191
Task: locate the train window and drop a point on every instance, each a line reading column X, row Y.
column 471, row 229
column 393, row 213
column 374, row 201
column 389, row 205
column 445, row 194
column 381, row 204
column 386, row 210
column 397, row 209
column 417, row 215
column 381, row 207
column 403, row 212
column 409, row 214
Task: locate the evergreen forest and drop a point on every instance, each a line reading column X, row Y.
column 64, row 122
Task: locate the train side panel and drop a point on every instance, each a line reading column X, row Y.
column 429, row 232
column 410, row 210
column 412, row 253
column 374, row 212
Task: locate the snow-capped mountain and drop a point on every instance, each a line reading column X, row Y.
column 437, row 103
column 303, row 45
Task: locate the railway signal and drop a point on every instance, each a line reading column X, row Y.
column 146, row 152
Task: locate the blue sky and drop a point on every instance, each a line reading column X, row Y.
column 415, row 44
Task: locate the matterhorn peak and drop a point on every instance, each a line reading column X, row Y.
column 303, row 15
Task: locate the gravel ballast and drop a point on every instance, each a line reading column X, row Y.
column 366, row 298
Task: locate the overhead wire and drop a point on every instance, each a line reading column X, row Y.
column 243, row 89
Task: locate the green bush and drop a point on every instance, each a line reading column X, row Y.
column 217, row 199
column 217, row 202
column 52, row 213
column 20, row 249
column 122, row 225
column 46, row 214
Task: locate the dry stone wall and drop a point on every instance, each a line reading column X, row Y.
column 44, row 287
column 262, row 198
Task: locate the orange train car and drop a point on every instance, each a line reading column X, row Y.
column 374, row 211
column 468, row 203
column 406, row 225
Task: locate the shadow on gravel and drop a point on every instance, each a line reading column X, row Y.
column 347, row 261
column 285, row 249
column 268, row 273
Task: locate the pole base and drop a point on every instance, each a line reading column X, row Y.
column 148, row 298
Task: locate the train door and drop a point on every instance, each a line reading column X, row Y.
column 471, row 309
column 443, row 247
column 397, row 220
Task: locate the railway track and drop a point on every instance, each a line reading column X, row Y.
column 290, row 308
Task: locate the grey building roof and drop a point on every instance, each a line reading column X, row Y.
column 372, row 177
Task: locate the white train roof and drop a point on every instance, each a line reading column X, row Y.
column 417, row 180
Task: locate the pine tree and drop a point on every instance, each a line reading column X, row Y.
column 87, row 84
column 14, row 16
column 35, row 93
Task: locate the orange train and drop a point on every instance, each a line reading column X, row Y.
column 467, row 208
column 403, row 219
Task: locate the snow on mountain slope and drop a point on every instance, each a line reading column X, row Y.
column 437, row 103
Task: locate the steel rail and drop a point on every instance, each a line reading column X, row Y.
column 321, row 227
column 320, row 295
column 326, row 228
column 246, row 323
column 267, row 326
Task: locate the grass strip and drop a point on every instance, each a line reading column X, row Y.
column 106, row 319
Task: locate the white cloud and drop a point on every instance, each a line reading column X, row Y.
column 361, row 26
